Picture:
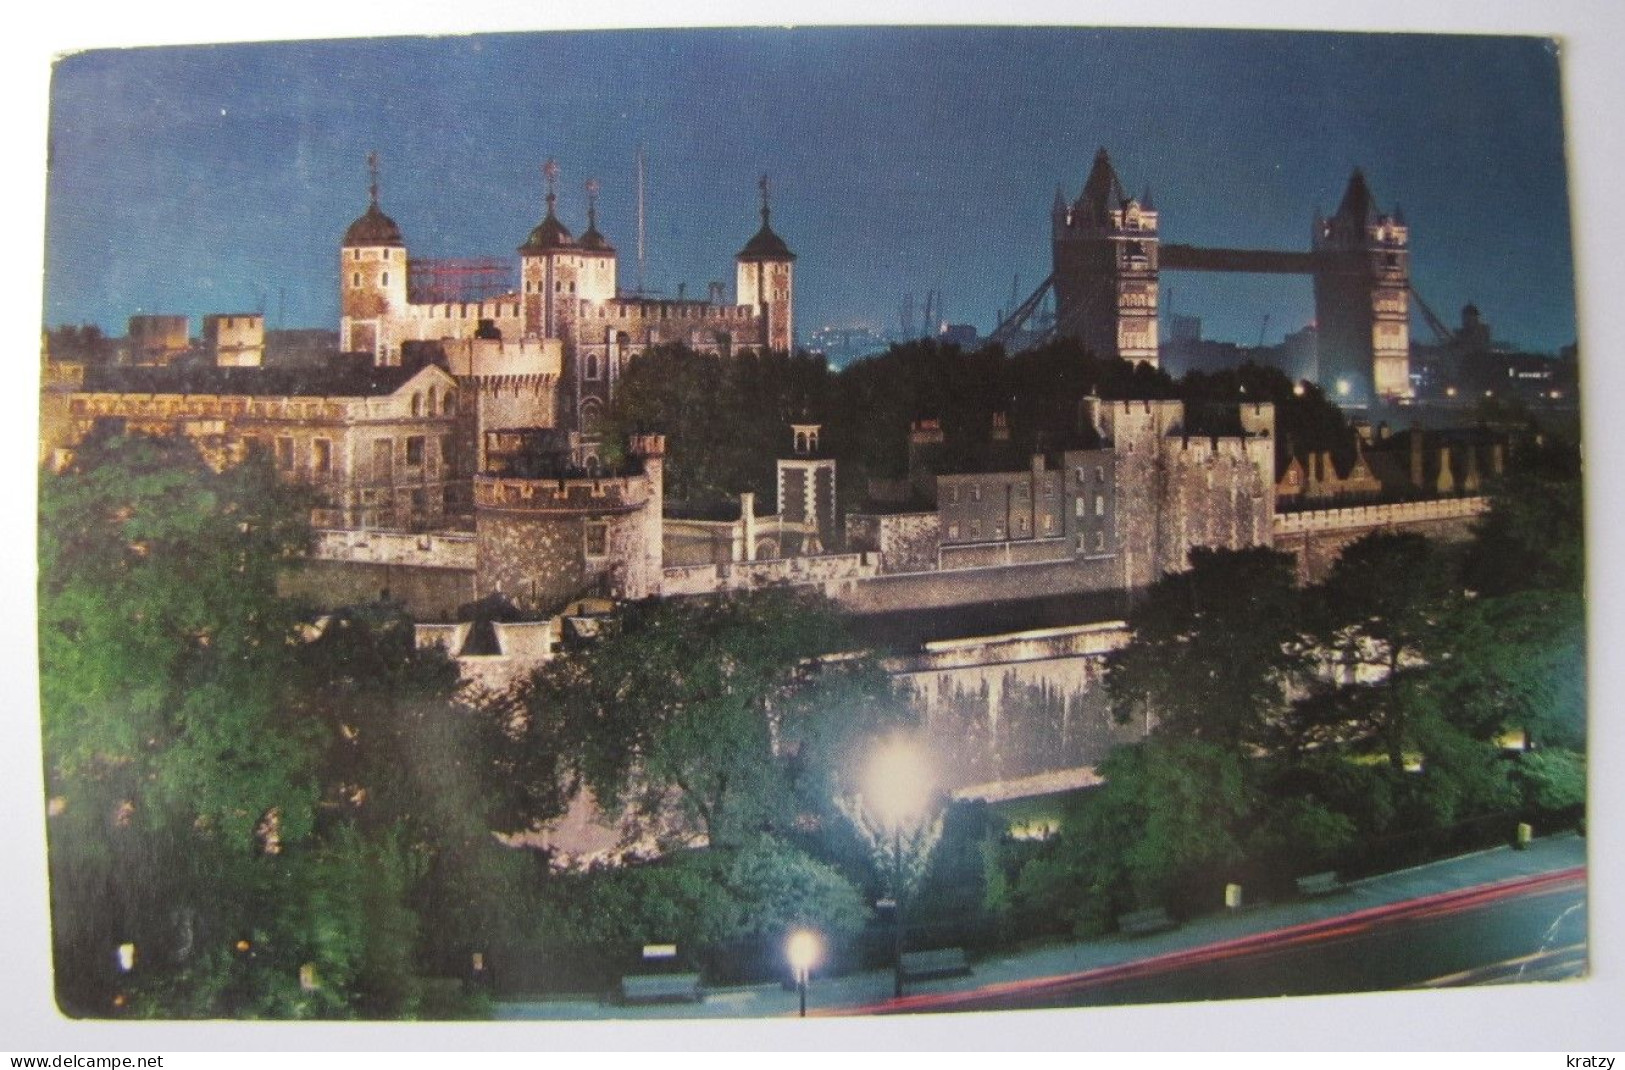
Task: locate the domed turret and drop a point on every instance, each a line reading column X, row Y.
column 765, row 269
column 549, row 235
column 373, row 229
column 591, row 240
column 765, row 244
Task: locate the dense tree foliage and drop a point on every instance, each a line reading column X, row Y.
column 239, row 791
column 724, row 418
column 1358, row 722
column 703, row 702
column 1214, row 649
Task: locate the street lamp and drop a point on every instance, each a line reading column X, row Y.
column 803, row 949
column 899, row 788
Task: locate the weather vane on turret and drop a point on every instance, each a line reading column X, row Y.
column 762, row 185
column 372, row 168
column 592, row 203
column 551, row 171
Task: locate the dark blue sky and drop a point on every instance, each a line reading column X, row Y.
column 220, row 178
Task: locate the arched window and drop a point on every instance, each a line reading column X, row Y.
column 449, row 406
column 432, row 405
column 417, row 404
column 592, row 411
column 592, row 365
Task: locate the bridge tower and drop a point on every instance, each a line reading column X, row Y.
column 1362, row 299
column 1105, row 267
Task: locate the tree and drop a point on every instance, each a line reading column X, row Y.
column 286, row 819
column 172, row 755
column 694, row 708
column 1381, row 614
column 1212, row 649
column 724, row 418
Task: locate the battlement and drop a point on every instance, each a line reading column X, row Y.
column 1373, row 517
column 498, row 358
column 581, row 496
column 639, row 311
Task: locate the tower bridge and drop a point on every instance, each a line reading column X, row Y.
column 1108, row 259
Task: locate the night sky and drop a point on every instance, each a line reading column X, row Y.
column 220, row 178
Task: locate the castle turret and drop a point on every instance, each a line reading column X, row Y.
column 548, row 268
column 766, row 282
column 372, row 281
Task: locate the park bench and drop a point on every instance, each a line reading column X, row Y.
column 1145, row 922
column 938, row 962
column 1320, row 884
column 660, row 988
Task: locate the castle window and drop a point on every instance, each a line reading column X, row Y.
column 1021, row 525
column 386, row 278
column 1100, row 474
column 1079, row 508
column 355, row 254
column 592, row 365
column 386, row 254
column 355, row 281
column 597, row 539
column 953, row 495
column 284, row 453
column 417, row 404
column 953, row 532
column 414, row 451
column 432, row 406
column 1100, row 540
column 976, row 492
column 449, row 405
column 1100, row 505
column 321, row 456
column 1049, row 524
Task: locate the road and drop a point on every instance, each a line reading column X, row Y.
column 1533, row 928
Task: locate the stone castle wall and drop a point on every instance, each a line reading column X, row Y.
column 905, row 542
column 1316, row 538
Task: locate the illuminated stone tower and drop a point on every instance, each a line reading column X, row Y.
column 548, row 270
column 372, row 281
column 1362, row 299
column 1105, row 268
column 766, row 282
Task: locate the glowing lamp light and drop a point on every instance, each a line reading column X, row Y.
column 1343, row 388
column 899, row 783
column 126, row 957
column 1297, row 388
column 804, row 949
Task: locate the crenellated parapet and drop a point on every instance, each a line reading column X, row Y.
column 580, row 496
